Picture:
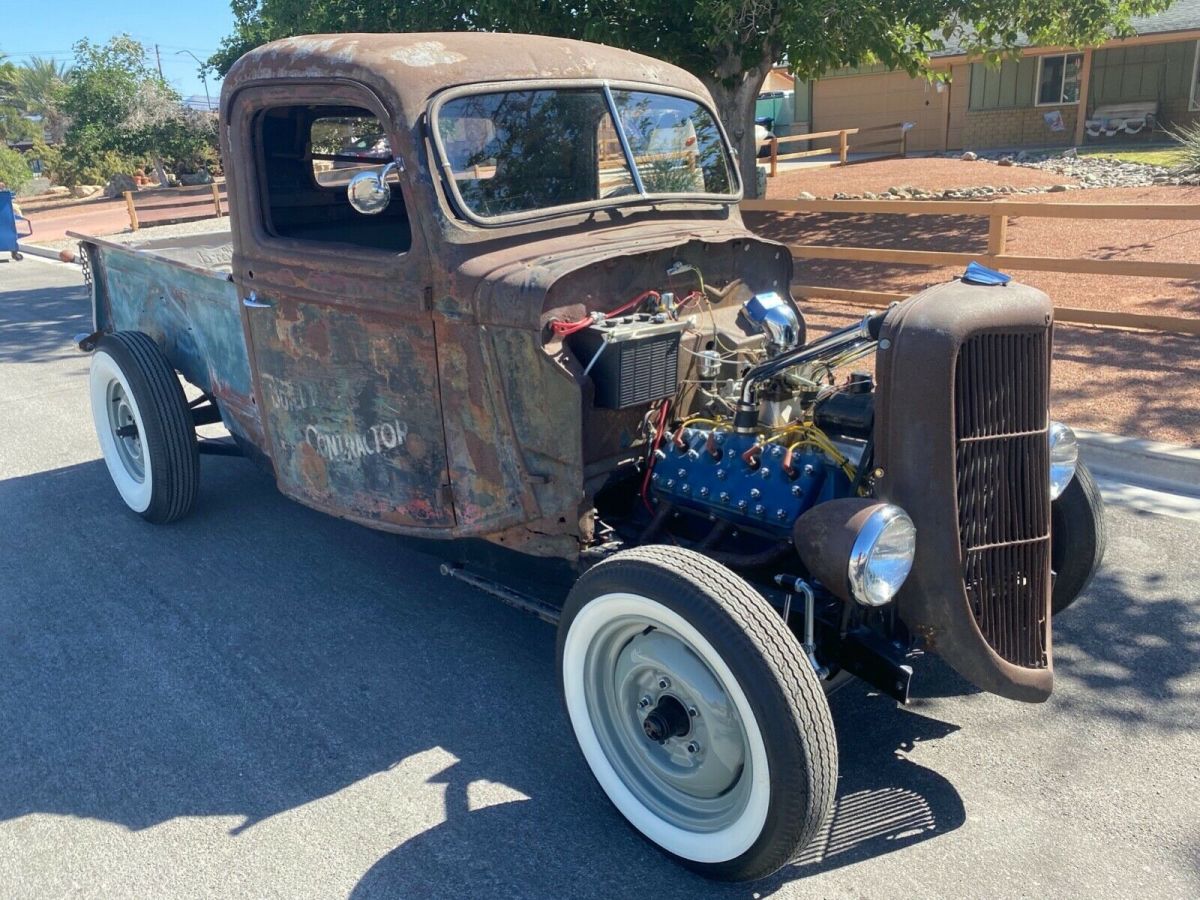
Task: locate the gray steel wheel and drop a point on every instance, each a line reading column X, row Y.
column 697, row 711
column 125, row 430
column 666, row 722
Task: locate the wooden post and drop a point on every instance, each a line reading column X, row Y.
column 997, row 235
column 903, row 140
column 843, row 147
column 774, row 156
column 1085, row 79
column 132, row 210
column 216, row 198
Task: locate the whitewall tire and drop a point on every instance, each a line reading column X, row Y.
column 144, row 426
column 697, row 711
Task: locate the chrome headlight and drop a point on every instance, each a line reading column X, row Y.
column 1064, row 456
column 882, row 555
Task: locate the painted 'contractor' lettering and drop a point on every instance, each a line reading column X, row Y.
column 337, row 446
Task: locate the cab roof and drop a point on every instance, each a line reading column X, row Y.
column 412, row 67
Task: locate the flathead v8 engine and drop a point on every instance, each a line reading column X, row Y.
column 761, row 483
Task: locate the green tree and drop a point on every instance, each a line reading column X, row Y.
column 121, row 112
column 13, row 123
column 730, row 45
column 39, row 84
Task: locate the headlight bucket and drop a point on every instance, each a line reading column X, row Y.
column 1064, row 456
column 859, row 549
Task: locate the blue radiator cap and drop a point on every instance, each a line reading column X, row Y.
column 979, row 274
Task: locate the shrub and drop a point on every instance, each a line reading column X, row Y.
column 72, row 166
column 14, row 171
column 1189, row 137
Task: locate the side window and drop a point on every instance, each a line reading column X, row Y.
column 308, row 154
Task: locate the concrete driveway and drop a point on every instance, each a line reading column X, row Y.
column 262, row 701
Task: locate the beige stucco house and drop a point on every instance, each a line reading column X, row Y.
column 1123, row 90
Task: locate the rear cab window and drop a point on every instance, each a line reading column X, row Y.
column 309, row 154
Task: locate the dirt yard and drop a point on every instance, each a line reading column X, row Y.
column 1134, row 383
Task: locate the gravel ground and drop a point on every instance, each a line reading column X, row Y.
column 927, row 173
column 154, row 233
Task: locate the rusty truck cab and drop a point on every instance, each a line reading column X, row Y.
column 401, row 361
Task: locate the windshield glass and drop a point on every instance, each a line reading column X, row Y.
column 530, row 150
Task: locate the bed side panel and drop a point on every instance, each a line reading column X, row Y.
column 196, row 319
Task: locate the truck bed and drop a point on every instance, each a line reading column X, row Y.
column 179, row 290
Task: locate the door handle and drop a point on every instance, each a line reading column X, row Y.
column 252, row 302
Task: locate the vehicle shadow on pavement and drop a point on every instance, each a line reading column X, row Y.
column 1133, row 645
column 567, row 835
column 258, row 657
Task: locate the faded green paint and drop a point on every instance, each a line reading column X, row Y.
column 1161, row 72
column 1007, row 86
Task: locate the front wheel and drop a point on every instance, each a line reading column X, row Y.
column 1077, row 538
column 697, row 711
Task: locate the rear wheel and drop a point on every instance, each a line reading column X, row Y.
column 697, row 711
column 1077, row 538
column 144, row 426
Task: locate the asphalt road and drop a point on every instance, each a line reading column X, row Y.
column 262, row 701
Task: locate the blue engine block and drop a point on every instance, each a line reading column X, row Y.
column 709, row 472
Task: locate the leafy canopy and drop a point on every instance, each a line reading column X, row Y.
column 718, row 40
column 122, row 113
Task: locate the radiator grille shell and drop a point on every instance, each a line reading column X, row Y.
column 1002, row 468
column 961, row 445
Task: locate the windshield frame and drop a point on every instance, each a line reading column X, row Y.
column 605, row 87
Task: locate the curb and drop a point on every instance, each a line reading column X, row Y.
column 47, row 253
column 1165, row 467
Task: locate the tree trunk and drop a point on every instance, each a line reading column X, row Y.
column 735, row 106
column 160, row 170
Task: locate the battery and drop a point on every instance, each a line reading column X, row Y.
column 637, row 361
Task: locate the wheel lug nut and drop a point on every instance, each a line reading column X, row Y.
column 693, row 747
column 664, row 683
column 644, row 702
column 693, row 712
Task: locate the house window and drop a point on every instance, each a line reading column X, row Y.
column 1195, row 104
column 1058, row 79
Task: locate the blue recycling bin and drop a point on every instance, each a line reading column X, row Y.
column 9, row 221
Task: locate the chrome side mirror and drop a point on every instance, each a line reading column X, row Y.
column 369, row 192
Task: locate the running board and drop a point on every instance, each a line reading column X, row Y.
column 504, row 594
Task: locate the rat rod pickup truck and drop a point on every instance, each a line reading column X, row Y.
column 495, row 290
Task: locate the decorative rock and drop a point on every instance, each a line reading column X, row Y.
column 1004, row 161
column 969, row 156
column 195, row 178
column 83, row 191
column 1071, row 153
column 1058, row 188
column 119, row 184
column 805, row 195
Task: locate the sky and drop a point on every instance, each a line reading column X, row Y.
column 196, row 26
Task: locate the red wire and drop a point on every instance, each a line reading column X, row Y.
column 562, row 329
column 658, row 434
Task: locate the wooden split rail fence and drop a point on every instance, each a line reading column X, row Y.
column 177, row 203
column 998, row 213
column 842, row 150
